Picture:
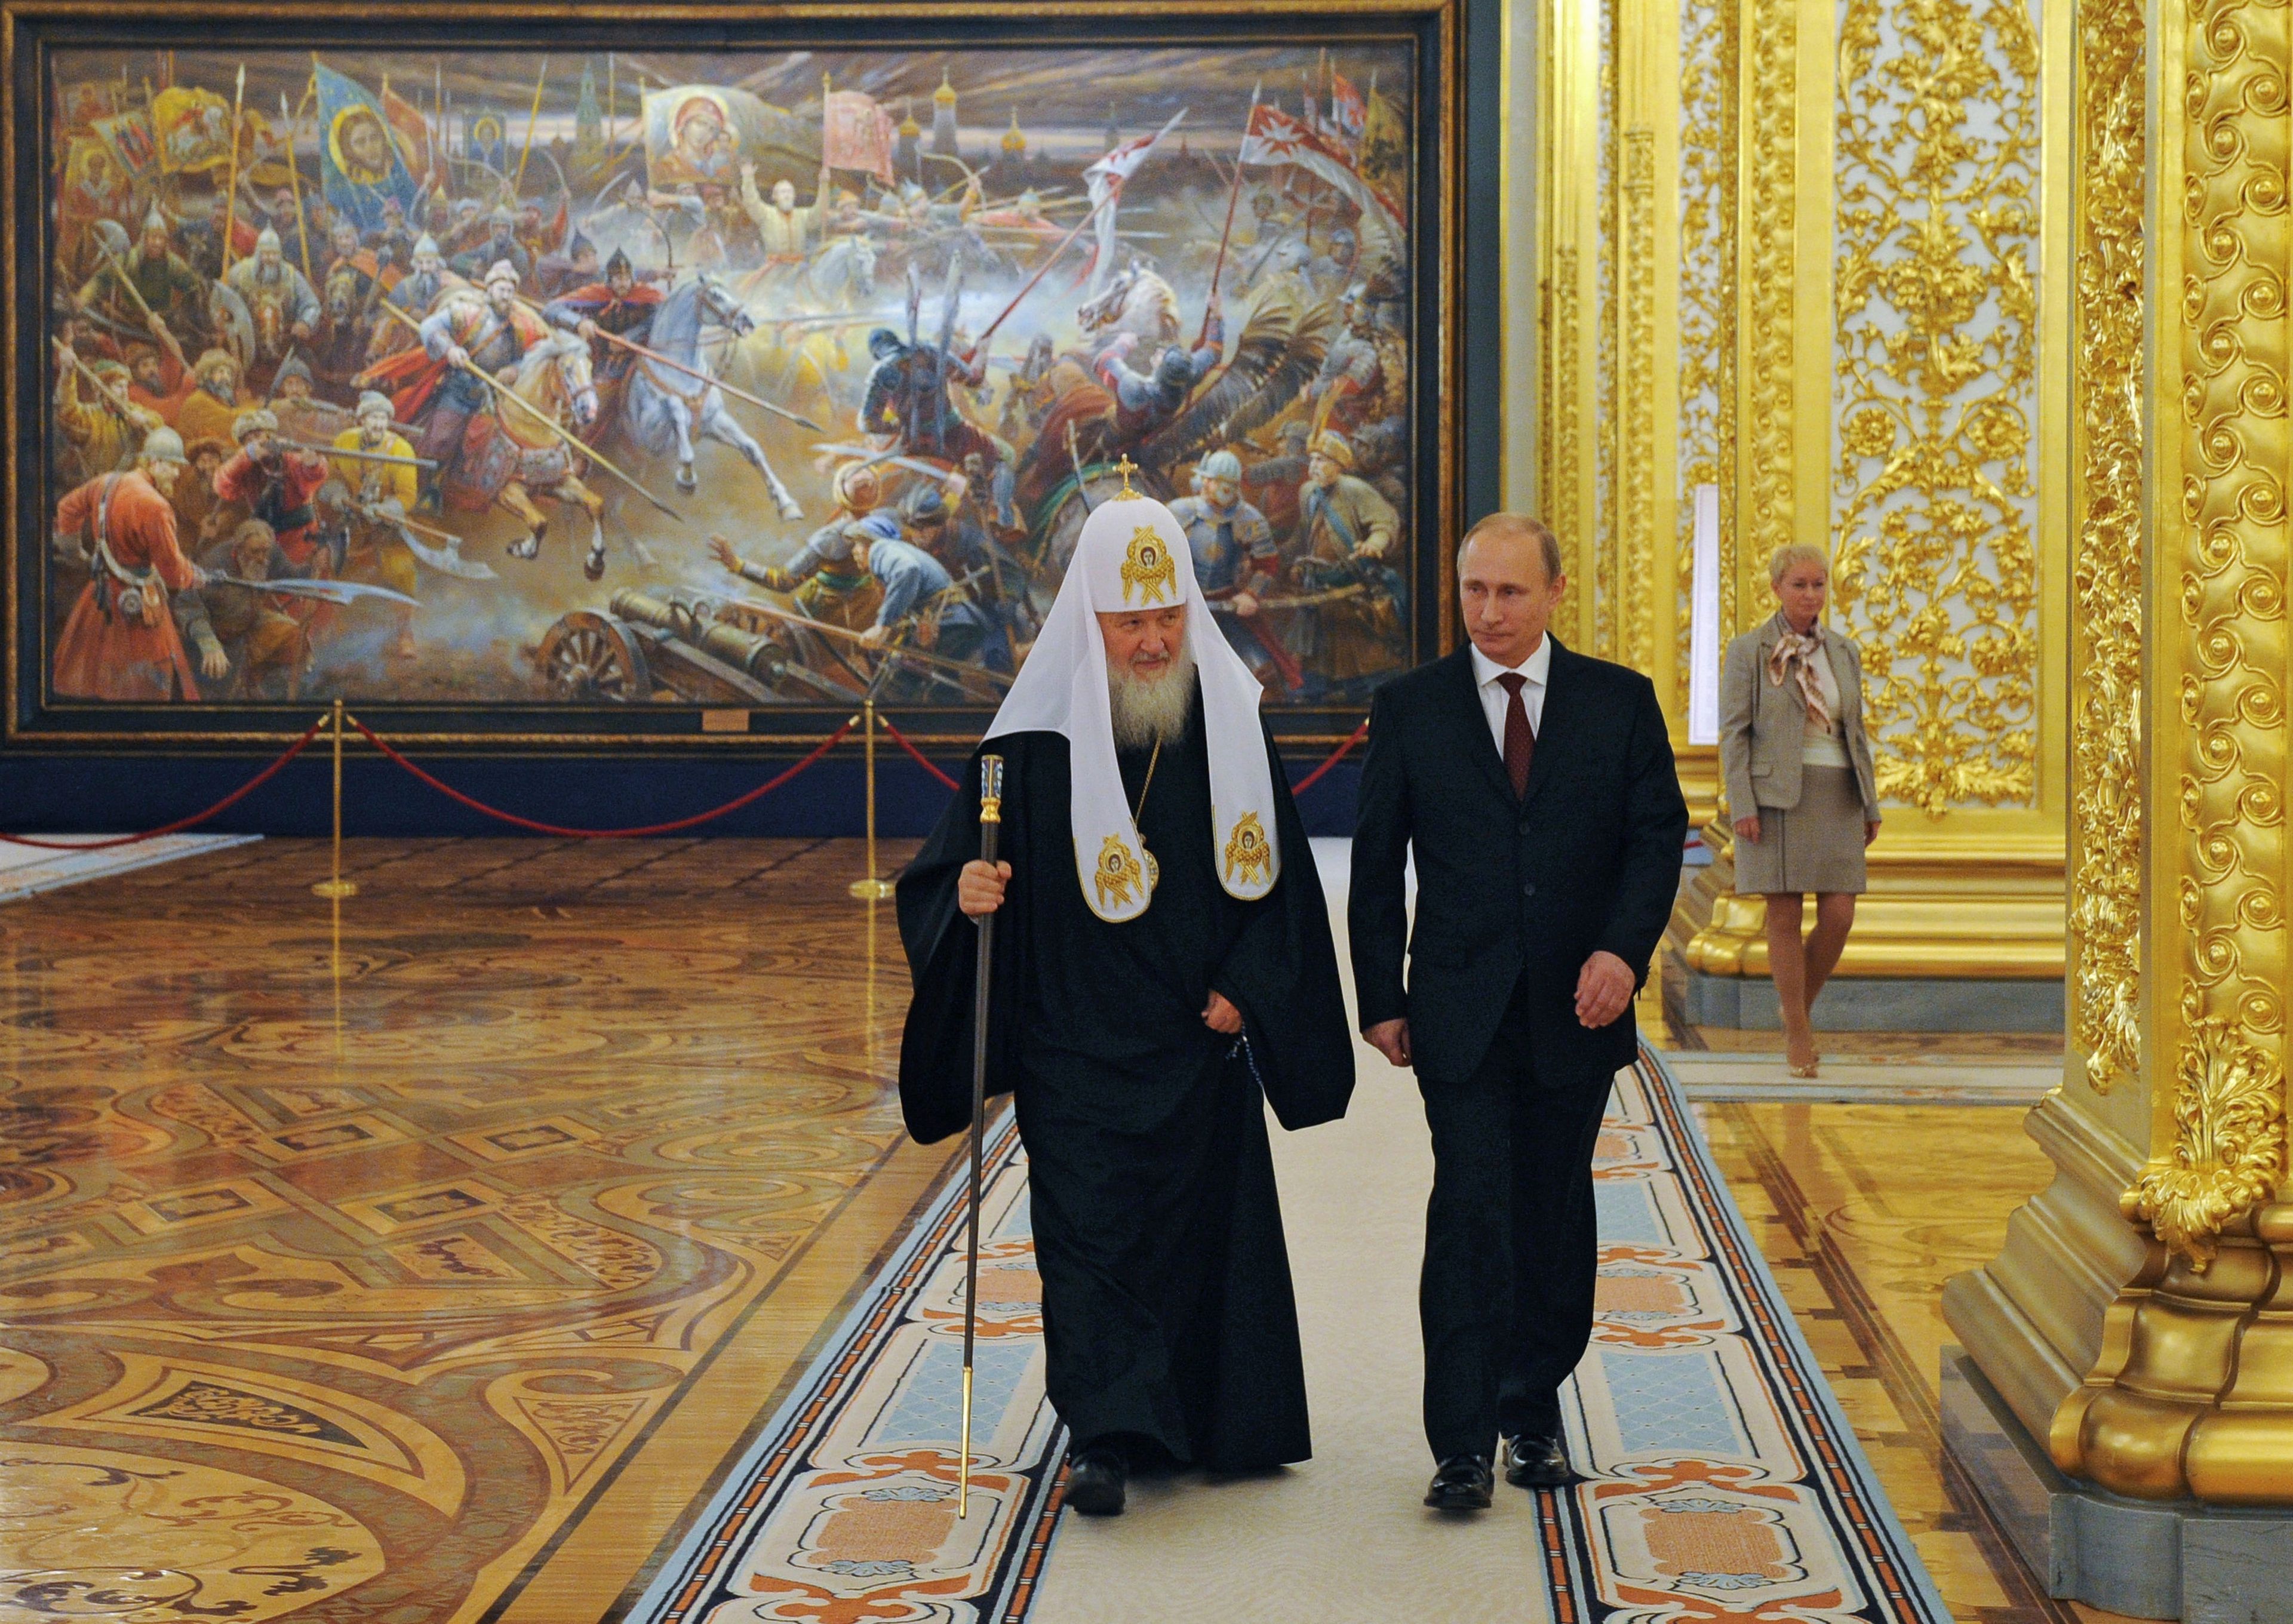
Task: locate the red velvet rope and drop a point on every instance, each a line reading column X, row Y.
column 180, row 824
column 901, row 739
column 1300, row 787
column 1335, row 756
column 452, row 794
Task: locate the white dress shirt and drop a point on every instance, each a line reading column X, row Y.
column 1495, row 700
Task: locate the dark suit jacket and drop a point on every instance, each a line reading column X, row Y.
column 1588, row 860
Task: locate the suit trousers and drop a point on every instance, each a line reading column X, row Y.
column 1506, row 1300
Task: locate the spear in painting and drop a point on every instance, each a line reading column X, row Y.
column 1080, row 226
column 990, row 825
column 1234, row 194
column 288, row 123
column 532, row 122
column 573, row 442
column 635, row 348
column 231, row 191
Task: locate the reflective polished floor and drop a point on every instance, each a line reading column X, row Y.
column 1863, row 1211
column 424, row 1261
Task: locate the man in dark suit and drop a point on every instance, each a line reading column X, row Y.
column 1536, row 786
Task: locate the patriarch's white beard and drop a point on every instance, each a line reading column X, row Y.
column 1150, row 711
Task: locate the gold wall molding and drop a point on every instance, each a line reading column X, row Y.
column 2107, row 577
column 1767, row 237
column 1602, row 587
column 1567, row 209
column 2229, row 551
column 1935, row 393
column 2189, row 1391
column 1637, row 453
column 1706, row 323
column 1567, row 418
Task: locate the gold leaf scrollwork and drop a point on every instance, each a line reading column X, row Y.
column 1636, row 427
column 1768, row 488
column 1567, row 395
column 2231, row 549
column 1706, row 318
column 1606, row 582
column 2229, row 1113
column 1935, row 352
column 2107, row 576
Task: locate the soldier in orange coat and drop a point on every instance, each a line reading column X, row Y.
column 120, row 641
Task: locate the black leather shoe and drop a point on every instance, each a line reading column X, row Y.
column 1536, row 1460
column 1462, row 1483
column 1096, row 1478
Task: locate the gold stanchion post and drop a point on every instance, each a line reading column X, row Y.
column 337, row 886
column 871, row 889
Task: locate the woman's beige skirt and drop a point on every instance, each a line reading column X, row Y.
column 1816, row 845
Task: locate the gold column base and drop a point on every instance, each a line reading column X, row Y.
column 1698, row 767
column 2192, row 1395
column 335, row 888
column 1946, row 906
column 2032, row 1317
column 872, row 891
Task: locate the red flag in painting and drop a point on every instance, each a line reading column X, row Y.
column 1348, row 111
column 412, row 132
column 1276, row 137
column 858, row 134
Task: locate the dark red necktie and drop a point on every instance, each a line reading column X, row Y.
column 1520, row 738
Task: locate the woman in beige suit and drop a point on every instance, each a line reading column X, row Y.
column 1800, row 783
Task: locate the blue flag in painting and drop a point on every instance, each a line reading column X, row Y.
column 358, row 157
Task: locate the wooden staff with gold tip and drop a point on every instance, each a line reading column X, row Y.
column 990, row 825
column 579, row 447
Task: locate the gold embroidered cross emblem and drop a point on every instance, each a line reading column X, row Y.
column 1147, row 567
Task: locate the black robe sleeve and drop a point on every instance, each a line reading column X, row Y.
column 1281, row 974
column 943, row 948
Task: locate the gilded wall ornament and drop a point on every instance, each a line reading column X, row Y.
column 1935, row 392
column 1606, row 573
column 1568, row 404
column 1768, row 491
column 2230, row 553
column 2229, row 1149
column 2108, row 582
column 1706, row 320
column 1635, row 578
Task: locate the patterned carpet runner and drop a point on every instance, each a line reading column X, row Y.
column 1722, row 1484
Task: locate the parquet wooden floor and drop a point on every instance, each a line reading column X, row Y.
column 422, row 1262
column 1864, row 1211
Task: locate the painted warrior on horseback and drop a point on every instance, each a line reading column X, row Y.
column 620, row 306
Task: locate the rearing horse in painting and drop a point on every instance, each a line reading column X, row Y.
column 664, row 409
column 509, row 454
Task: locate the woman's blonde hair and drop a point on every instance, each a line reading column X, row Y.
column 1796, row 553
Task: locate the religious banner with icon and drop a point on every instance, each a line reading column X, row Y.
column 700, row 135
column 357, row 155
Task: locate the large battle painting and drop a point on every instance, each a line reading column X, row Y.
column 754, row 378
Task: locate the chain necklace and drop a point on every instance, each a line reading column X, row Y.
column 1154, row 869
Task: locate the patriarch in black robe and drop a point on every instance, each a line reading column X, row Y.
column 1162, row 969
